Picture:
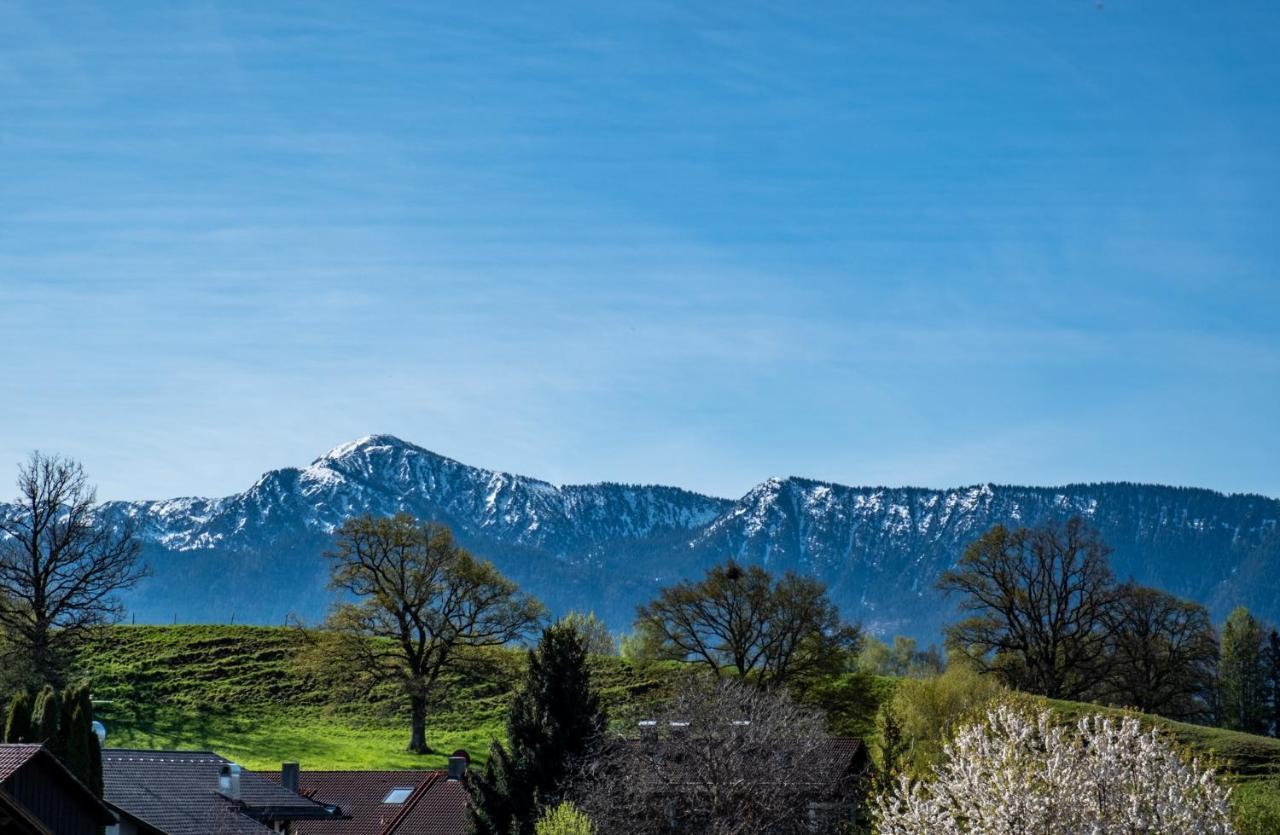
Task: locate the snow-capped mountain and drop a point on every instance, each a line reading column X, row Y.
column 380, row 474
column 257, row 556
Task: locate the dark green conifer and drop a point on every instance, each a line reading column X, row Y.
column 45, row 720
column 95, row 763
column 17, row 725
column 73, row 696
column 1273, row 680
column 554, row 719
column 75, row 746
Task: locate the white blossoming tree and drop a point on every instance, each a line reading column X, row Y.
column 1018, row 774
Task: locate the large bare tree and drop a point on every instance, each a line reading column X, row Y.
column 60, row 565
column 421, row 600
column 1043, row 605
column 744, row 621
column 724, row 758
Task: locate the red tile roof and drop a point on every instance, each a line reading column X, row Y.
column 441, row 810
column 436, row 805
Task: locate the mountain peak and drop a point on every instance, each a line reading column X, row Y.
column 365, row 444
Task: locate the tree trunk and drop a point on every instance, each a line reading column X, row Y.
column 418, row 725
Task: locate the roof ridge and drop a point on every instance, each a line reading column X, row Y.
column 166, row 751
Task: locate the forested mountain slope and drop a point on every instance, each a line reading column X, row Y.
column 257, row 556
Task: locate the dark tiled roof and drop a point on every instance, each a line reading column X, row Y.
column 176, row 792
column 436, row 805
column 847, row 754
column 441, row 810
column 14, row 756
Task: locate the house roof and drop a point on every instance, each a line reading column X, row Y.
column 435, row 804
column 14, row 756
column 847, row 754
column 441, row 810
column 176, row 792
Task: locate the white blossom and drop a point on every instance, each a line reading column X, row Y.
column 1017, row 774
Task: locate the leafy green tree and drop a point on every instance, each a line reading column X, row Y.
column 554, row 720
column 595, row 635
column 873, row 656
column 744, row 621
column 640, row 646
column 17, row 725
column 1165, row 656
column 1042, row 602
column 902, row 655
column 565, row 819
column 45, row 718
column 1242, row 674
column 421, row 601
column 926, row 713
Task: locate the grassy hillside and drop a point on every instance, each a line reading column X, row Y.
column 241, row 691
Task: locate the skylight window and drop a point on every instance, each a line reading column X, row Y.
column 398, row 795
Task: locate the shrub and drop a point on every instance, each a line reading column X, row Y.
column 1018, row 773
column 1256, row 807
column 928, row 712
column 565, row 819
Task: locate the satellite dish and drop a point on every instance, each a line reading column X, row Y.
column 100, row 731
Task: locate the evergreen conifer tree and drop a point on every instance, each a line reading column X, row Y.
column 1273, row 680
column 75, row 745
column 17, row 725
column 45, row 718
column 554, row 719
column 78, row 745
column 95, row 763
column 74, row 696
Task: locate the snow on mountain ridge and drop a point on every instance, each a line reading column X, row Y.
column 381, row 474
column 607, row 546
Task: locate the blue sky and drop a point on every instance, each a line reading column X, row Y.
column 905, row 242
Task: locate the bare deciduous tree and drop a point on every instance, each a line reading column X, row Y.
column 1043, row 602
column 60, row 565
column 743, row 620
column 421, row 601
column 723, row 758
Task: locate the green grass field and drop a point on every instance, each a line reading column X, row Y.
column 243, row 692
